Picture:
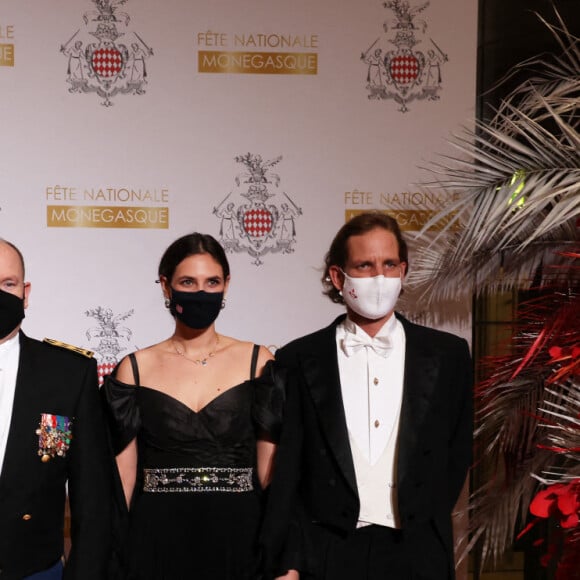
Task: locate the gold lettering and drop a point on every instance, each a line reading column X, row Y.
column 385, row 199
column 126, row 195
column 356, row 197
column 6, row 55
column 410, row 220
column 59, row 193
column 274, row 41
column 91, row 216
column 297, row 63
column 6, row 32
column 210, row 38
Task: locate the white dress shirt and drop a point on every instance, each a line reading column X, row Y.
column 372, row 386
column 9, row 355
column 372, row 393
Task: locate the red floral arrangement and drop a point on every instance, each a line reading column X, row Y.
column 559, row 501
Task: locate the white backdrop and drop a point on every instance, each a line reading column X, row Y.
column 319, row 109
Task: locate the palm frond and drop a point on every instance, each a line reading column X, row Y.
column 518, row 180
column 528, row 419
column 514, row 223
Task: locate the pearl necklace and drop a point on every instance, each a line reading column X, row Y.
column 198, row 361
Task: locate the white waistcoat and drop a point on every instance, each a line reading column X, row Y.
column 377, row 484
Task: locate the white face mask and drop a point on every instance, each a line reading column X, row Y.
column 371, row 298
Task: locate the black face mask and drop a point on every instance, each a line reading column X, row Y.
column 196, row 309
column 11, row 312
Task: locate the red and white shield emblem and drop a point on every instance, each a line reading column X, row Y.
column 103, row 370
column 107, row 62
column 404, row 69
column 258, row 222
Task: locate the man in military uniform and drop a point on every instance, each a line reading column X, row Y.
column 52, row 436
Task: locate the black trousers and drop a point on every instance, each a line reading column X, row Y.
column 381, row 553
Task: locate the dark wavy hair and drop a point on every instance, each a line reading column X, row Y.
column 361, row 224
column 190, row 245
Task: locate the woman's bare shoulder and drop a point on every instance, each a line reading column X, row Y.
column 146, row 358
column 242, row 350
column 125, row 372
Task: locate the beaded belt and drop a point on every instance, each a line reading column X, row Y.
column 198, row 479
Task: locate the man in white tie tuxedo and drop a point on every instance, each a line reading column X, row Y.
column 377, row 438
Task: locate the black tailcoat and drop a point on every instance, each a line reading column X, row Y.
column 56, row 381
column 314, row 491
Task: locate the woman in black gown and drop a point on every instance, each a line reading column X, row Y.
column 193, row 432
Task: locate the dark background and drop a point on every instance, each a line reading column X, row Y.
column 509, row 33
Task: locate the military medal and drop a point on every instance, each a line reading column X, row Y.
column 54, row 436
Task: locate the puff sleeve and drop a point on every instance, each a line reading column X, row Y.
column 122, row 412
column 269, row 396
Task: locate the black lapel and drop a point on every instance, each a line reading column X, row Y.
column 420, row 379
column 320, row 371
column 22, row 444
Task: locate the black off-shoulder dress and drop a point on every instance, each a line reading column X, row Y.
column 197, row 505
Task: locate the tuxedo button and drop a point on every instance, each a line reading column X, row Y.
column 322, row 451
column 26, row 517
column 377, row 424
column 332, row 482
column 375, row 381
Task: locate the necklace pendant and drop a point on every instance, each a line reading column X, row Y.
column 198, row 361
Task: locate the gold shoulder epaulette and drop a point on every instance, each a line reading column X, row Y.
column 78, row 349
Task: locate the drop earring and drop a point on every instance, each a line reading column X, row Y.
column 223, row 303
column 167, row 303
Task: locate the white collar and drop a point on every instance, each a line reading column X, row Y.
column 8, row 345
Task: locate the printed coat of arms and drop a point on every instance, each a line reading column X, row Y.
column 403, row 64
column 105, row 338
column 104, row 56
column 254, row 217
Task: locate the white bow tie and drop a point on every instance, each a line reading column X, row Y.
column 352, row 343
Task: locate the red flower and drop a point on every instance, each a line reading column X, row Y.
column 560, row 500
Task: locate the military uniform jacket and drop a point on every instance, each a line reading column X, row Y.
column 61, row 383
column 314, row 491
